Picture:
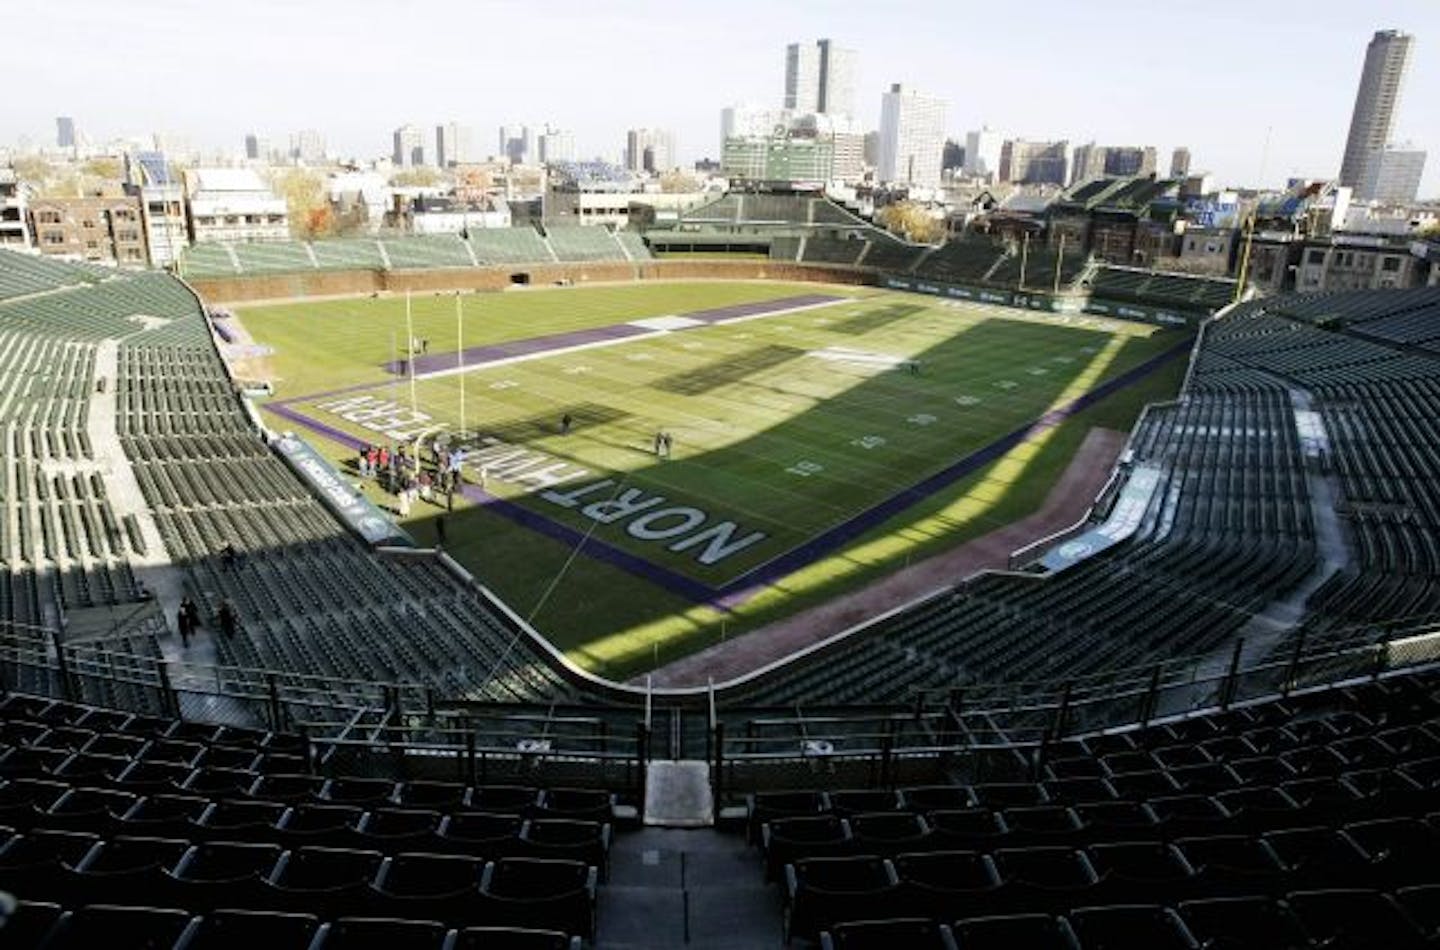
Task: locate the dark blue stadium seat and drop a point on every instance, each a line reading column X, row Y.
column 888, row 934
column 327, row 882
column 820, row 892
column 431, row 887
column 941, row 883
column 514, row 938
column 1129, row 927
column 1030, row 931
column 1354, row 920
column 540, row 893
column 119, row 928
column 263, row 930
column 379, row 933
column 224, row 874
column 1235, row 923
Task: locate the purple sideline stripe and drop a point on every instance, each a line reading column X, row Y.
column 741, row 589
column 480, row 355
column 738, row 310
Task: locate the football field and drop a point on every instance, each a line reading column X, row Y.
column 818, row 436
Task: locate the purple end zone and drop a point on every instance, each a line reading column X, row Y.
column 480, row 355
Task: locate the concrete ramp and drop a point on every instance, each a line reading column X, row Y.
column 677, row 794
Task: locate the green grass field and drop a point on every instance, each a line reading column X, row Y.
column 784, row 427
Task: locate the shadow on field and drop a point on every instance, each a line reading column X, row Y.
column 875, row 318
column 733, row 369
column 588, row 612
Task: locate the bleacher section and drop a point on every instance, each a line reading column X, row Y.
column 122, row 830
column 334, row 608
column 1298, row 824
column 578, row 243
column 520, row 245
column 1123, row 283
column 23, row 274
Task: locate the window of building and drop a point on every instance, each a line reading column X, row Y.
column 54, row 237
column 48, row 217
column 1390, row 264
column 1315, row 257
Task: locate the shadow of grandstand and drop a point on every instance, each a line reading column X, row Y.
column 874, row 319
column 727, row 371
column 620, row 625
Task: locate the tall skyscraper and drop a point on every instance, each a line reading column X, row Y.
column 1036, row 163
column 65, row 131
column 1180, row 162
column 649, row 150
column 409, row 148
column 912, row 137
column 517, row 143
column 1375, row 103
column 820, row 77
column 253, row 150
column 308, row 146
column 452, row 144
column 982, row 152
column 557, row 145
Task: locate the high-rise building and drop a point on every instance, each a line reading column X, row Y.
column 1180, row 162
column 912, row 137
column 517, row 143
column 308, row 146
column 65, row 131
column 452, row 145
column 1035, row 163
column 409, row 149
column 1125, row 161
column 982, row 152
column 1087, row 162
column 1376, row 101
column 1398, row 180
column 252, row 146
column 952, row 157
column 557, row 145
column 649, row 150
column 820, row 77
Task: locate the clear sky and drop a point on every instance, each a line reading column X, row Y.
column 1220, row 76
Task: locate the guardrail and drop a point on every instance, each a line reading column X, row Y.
column 410, row 730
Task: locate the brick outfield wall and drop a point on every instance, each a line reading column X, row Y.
column 238, row 289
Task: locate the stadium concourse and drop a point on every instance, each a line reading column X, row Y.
column 1206, row 716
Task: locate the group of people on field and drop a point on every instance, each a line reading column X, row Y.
column 410, row 478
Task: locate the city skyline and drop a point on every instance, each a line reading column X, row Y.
column 272, row 71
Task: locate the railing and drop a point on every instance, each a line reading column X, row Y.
column 974, row 729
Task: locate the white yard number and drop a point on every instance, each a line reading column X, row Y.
column 639, row 357
column 576, row 370
column 504, row 384
column 868, row 442
column 921, row 419
column 805, row 468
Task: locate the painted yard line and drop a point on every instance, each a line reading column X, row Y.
column 539, row 354
column 738, row 590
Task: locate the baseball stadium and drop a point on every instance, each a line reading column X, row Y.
column 759, row 580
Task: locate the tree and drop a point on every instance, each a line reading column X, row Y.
column 421, row 176
column 911, row 221
column 306, row 202
column 677, row 182
column 104, row 168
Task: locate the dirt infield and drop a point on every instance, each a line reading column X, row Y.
column 1067, row 503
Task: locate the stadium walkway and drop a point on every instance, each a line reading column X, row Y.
column 1067, row 502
